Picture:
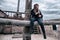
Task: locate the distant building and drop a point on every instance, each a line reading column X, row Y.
column 2, row 14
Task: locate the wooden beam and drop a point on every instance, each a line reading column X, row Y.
column 4, row 21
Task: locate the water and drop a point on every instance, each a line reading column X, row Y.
column 51, row 16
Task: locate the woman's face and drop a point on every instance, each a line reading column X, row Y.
column 36, row 7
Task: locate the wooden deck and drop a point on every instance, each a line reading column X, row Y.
column 33, row 37
column 51, row 35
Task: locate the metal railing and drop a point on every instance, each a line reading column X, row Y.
column 13, row 15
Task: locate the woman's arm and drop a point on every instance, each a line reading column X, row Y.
column 40, row 15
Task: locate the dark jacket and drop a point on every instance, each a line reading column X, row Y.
column 35, row 16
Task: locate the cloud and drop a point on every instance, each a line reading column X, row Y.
column 44, row 4
column 8, row 5
column 52, row 4
column 47, row 6
column 22, row 5
column 1, row 2
column 12, row 5
column 50, row 1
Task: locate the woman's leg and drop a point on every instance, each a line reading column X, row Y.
column 31, row 25
column 40, row 22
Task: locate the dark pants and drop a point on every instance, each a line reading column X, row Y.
column 40, row 22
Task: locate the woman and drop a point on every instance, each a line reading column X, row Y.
column 36, row 15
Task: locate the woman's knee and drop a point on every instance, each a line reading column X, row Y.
column 41, row 23
column 32, row 19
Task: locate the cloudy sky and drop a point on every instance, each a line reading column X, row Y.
column 45, row 5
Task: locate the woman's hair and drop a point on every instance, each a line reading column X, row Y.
column 36, row 4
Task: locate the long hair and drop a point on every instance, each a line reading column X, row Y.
column 36, row 5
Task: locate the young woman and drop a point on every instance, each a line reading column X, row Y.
column 36, row 15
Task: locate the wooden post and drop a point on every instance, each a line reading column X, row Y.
column 28, row 9
column 26, row 34
column 26, row 37
column 18, row 8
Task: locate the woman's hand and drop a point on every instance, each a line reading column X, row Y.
column 39, row 15
column 36, row 13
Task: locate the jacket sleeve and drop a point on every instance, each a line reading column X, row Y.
column 41, row 14
column 30, row 14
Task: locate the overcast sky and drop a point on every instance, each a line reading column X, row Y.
column 44, row 4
